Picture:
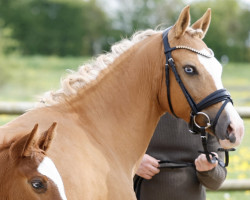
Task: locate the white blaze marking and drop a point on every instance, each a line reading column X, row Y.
column 48, row 168
column 213, row 67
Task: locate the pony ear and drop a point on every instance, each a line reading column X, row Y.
column 203, row 23
column 182, row 22
column 47, row 137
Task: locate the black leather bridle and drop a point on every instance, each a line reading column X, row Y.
column 213, row 98
column 195, row 128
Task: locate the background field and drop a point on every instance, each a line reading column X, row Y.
column 29, row 77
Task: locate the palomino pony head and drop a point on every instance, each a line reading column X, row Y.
column 27, row 173
column 198, row 75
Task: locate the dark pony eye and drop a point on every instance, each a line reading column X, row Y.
column 38, row 184
column 190, row 69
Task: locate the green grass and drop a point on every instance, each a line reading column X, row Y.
column 32, row 76
column 236, row 79
column 239, row 167
column 228, row 195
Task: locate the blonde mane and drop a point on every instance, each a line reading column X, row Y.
column 89, row 72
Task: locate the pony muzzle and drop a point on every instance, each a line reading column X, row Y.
column 234, row 128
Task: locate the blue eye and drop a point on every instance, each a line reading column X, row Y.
column 190, row 69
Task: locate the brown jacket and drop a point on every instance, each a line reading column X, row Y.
column 172, row 141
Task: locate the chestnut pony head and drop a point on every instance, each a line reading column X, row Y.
column 26, row 173
column 194, row 74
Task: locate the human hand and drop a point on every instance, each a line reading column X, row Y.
column 202, row 164
column 148, row 167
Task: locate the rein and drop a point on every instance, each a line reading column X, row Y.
column 213, row 98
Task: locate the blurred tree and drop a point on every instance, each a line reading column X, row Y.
column 129, row 16
column 78, row 27
column 228, row 33
column 60, row 27
column 133, row 15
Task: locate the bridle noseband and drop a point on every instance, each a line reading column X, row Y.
column 196, row 109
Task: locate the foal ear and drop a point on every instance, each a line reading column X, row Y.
column 182, row 22
column 30, row 142
column 47, row 137
column 203, row 23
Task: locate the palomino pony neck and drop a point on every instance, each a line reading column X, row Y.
column 122, row 109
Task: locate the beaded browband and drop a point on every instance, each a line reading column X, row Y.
column 210, row 54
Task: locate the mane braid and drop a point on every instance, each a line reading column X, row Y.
column 89, row 72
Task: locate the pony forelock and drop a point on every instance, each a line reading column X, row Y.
column 195, row 32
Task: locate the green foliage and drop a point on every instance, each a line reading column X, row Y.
column 142, row 14
column 5, row 74
column 55, row 27
column 78, row 27
column 227, row 34
column 7, row 43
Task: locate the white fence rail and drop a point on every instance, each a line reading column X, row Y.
column 15, row 108
column 231, row 184
column 18, row 108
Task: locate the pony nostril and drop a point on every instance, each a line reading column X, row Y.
column 231, row 135
column 232, row 138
